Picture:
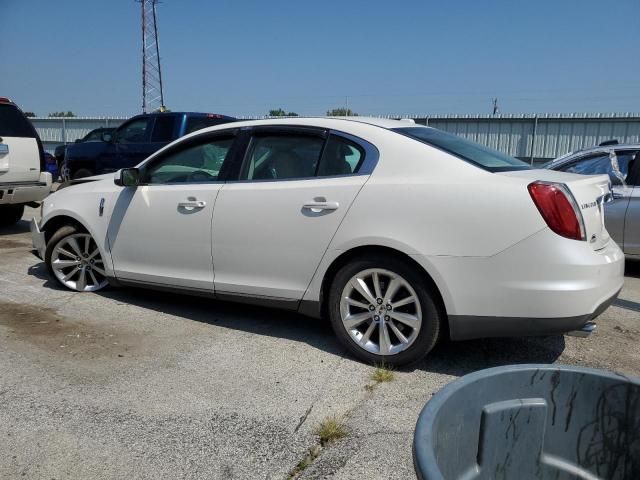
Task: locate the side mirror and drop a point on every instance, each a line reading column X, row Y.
column 127, row 177
column 107, row 137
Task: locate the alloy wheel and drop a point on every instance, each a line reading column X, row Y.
column 77, row 263
column 380, row 311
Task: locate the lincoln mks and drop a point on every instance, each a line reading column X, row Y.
column 398, row 233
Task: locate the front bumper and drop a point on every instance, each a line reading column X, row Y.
column 18, row 193
column 37, row 239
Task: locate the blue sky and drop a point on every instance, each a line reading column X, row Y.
column 379, row 57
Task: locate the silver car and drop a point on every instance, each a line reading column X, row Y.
column 622, row 215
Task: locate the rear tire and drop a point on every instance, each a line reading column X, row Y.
column 397, row 323
column 11, row 214
column 81, row 173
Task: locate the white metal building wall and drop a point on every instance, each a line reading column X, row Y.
column 530, row 137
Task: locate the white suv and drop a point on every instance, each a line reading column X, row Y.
column 23, row 178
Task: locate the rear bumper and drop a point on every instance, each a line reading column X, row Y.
column 37, row 239
column 16, row 193
column 466, row 327
column 544, row 284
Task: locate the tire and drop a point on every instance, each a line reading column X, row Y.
column 11, row 214
column 423, row 306
column 81, row 173
column 83, row 269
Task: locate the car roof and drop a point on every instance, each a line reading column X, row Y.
column 386, row 123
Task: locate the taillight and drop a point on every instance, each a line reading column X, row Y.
column 558, row 208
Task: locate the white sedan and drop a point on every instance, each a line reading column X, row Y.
column 396, row 232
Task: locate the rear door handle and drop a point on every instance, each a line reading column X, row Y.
column 193, row 204
column 318, row 206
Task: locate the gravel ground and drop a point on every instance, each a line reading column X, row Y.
column 137, row 384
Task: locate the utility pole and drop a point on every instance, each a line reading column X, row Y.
column 152, row 96
column 496, row 109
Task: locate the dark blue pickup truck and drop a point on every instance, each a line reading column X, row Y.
column 133, row 141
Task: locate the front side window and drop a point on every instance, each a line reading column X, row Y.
column 277, row 157
column 479, row 155
column 194, row 164
column 603, row 164
column 136, row 131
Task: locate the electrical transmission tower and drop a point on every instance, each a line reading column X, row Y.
column 152, row 97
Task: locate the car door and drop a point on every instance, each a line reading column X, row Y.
column 272, row 226
column 160, row 231
column 603, row 163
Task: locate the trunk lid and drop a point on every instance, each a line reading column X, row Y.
column 589, row 193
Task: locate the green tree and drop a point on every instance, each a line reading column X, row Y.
column 29, row 114
column 281, row 113
column 341, row 112
column 67, row 114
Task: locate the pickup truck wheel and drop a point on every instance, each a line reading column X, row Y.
column 383, row 311
column 74, row 259
column 81, row 173
column 10, row 214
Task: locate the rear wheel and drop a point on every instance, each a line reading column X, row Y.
column 73, row 258
column 10, row 214
column 383, row 310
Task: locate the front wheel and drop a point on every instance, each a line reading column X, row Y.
column 383, row 311
column 73, row 258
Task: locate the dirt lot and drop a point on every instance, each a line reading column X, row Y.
column 137, row 384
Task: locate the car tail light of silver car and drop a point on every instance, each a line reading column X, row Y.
column 558, row 208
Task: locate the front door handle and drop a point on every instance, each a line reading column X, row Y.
column 193, row 204
column 319, row 206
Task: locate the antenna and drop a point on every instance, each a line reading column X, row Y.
column 152, row 96
column 496, row 109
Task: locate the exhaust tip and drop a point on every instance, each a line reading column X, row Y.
column 586, row 330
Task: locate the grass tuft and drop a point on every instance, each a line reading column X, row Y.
column 331, row 430
column 382, row 373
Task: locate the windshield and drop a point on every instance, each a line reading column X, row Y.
column 481, row 156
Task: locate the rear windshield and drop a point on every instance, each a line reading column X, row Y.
column 13, row 123
column 481, row 156
column 198, row 123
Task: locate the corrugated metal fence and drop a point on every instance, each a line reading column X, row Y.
column 531, row 137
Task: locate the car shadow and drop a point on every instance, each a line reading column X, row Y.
column 461, row 358
column 448, row 358
column 632, row 268
column 20, row 227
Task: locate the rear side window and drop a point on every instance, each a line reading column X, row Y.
column 479, row 155
column 198, row 123
column 277, row 157
column 340, row 157
column 602, row 164
column 163, row 129
column 136, row 131
column 13, row 123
